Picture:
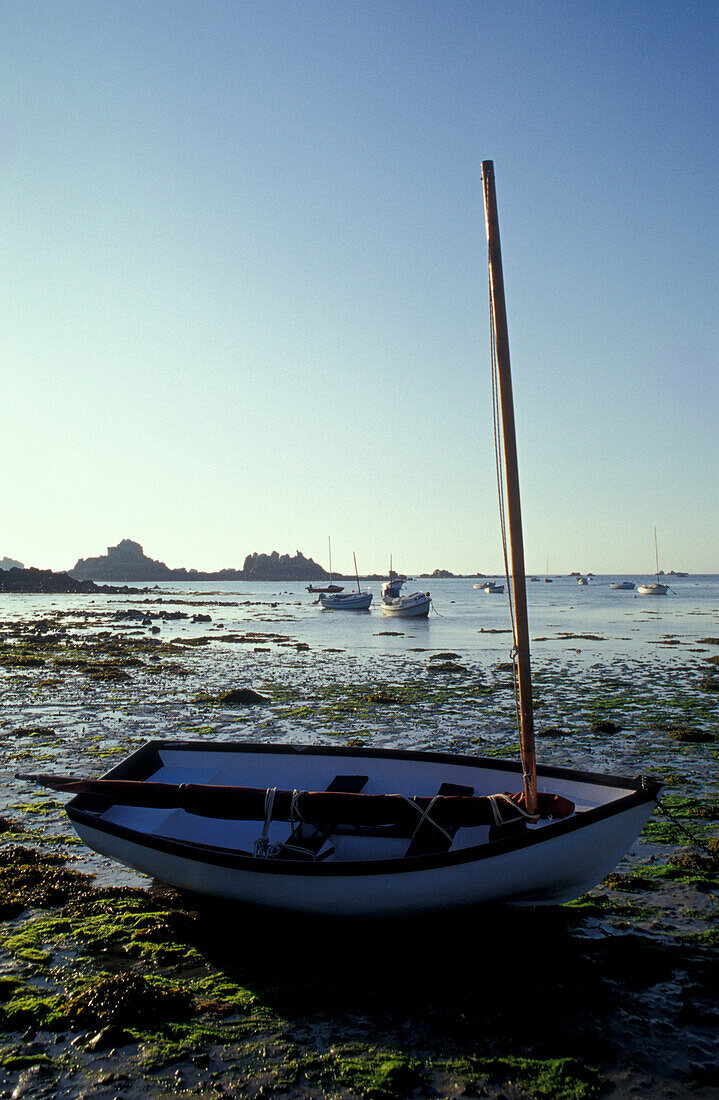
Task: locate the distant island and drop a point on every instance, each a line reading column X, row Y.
column 44, row 580
column 128, row 562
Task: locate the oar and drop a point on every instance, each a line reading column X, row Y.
column 314, row 807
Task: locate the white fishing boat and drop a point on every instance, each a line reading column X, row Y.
column 656, row 588
column 415, row 605
column 582, row 580
column 346, row 601
column 373, row 832
column 622, row 586
column 491, row 588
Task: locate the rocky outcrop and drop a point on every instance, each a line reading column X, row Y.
column 281, row 567
column 128, row 562
column 124, row 562
column 10, row 563
column 44, row 580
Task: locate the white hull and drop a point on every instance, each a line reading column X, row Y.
column 415, row 606
column 653, row 589
column 364, row 875
column 352, row 601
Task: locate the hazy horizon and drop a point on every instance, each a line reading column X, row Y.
column 245, row 295
column 381, row 570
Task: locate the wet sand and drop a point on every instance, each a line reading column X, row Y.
column 113, row 986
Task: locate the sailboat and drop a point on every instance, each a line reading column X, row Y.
column 326, row 587
column 347, row 601
column 656, row 588
column 364, row 831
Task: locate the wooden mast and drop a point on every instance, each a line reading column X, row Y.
column 519, row 592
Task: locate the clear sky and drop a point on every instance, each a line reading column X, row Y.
column 244, row 292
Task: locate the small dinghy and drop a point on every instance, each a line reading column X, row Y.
column 355, row 832
column 372, row 832
column 491, row 588
column 416, row 605
column 622, row 586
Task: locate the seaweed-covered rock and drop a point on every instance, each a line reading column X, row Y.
column 604, row 726
column 689, row 736
column 245, row 697
column 129, row 1000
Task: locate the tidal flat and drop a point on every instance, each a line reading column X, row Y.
column 115, row 986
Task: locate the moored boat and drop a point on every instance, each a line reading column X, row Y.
column 415, row 605
column 491, row 587
column 346, row 601
column 319, row 588
column 654, row 589
column 622, row 586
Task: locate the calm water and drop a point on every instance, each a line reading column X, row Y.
column 462, row 619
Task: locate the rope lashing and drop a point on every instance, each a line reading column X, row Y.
column 494, row 801
column 262, row 844
column 424, row 817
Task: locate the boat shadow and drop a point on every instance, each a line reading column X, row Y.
column 445, row 970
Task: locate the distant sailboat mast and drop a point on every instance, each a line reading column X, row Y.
column 656, row 554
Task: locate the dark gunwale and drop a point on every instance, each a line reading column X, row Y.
column 145, row 761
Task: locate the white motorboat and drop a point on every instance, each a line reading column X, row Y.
column 346, row 601
column 351, row 831
column 582, row 580
column 416, row 605
column 491, row 587
column 622, row 586
column 225, row 820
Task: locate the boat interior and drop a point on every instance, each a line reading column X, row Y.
column 313, row 771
